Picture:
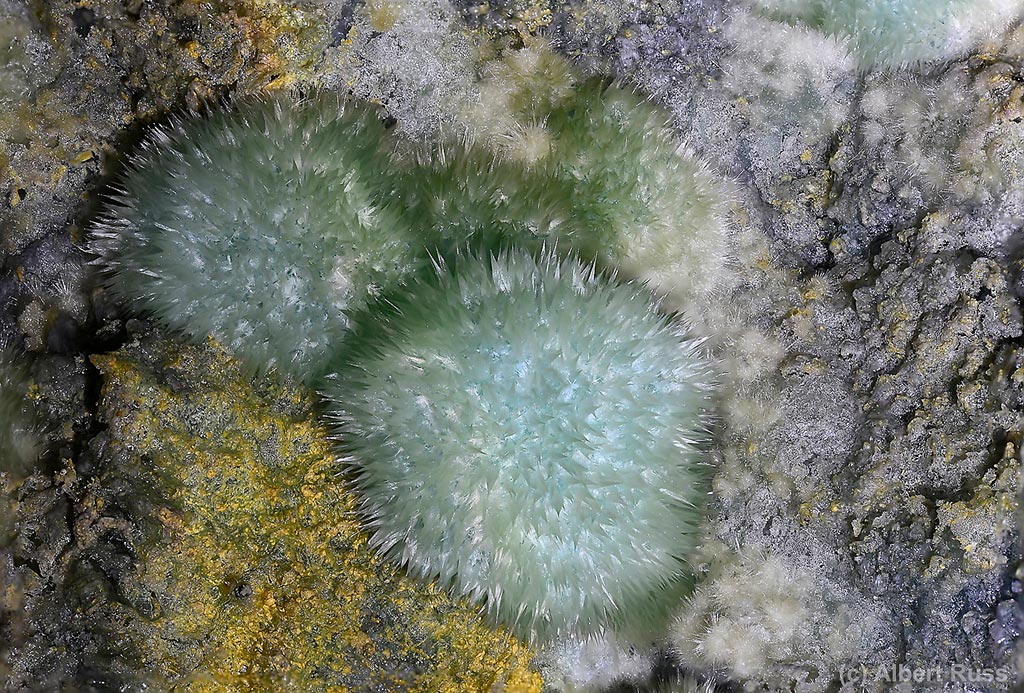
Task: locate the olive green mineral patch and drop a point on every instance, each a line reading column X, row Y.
column 252, row 573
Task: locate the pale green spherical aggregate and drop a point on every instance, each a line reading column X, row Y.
column 265, row 227
column 609, row 179
column 637, row 201
column 526, row 431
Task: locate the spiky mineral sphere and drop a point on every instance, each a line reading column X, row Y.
column 605, row 176
column 617, row 184
column 638, row 201
column 526, row 432
column 265, row 227
column 897, row 33
column 22, row 438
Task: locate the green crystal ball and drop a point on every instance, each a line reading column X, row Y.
column 527, row 432
column 266, row 227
